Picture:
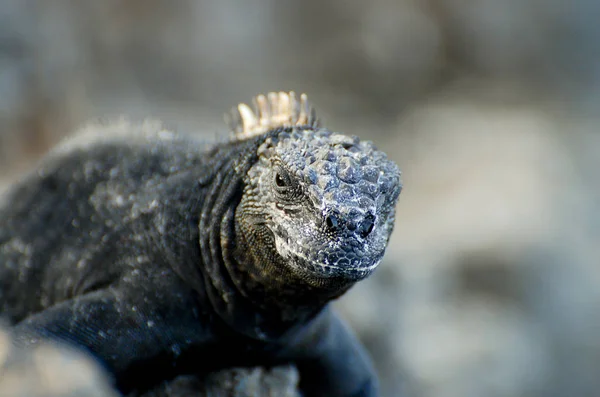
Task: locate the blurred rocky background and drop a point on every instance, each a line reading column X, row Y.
column 491, row 284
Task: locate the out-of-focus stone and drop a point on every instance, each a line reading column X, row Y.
column 236, row 382
column 49, row 370
column 54, row 370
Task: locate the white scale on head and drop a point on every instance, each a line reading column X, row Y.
column 275, row 110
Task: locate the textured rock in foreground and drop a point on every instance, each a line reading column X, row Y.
column 50, row 370
column 236, row 382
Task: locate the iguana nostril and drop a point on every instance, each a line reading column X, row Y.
column 367, row 225
column 332, row 222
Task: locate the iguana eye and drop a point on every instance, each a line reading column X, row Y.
column 284, row 185
column 279, row 181
column 282, row 179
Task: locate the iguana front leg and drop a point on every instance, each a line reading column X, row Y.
column 331, row 360
column 129, row 332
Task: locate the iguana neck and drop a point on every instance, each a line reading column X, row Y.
column 253, row 295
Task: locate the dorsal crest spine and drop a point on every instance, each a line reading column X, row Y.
column 275, row 110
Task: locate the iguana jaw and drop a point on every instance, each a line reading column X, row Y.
column 329, row 262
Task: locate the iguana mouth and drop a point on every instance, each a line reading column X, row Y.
column 324, row 263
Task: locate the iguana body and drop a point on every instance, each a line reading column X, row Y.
column 162, row 255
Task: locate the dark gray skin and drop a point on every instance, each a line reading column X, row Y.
column 164, row 256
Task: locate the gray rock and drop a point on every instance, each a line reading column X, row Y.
column 49, row 370
column 236, row 382
column 53, row 370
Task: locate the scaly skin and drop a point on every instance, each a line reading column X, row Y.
column 163, row 255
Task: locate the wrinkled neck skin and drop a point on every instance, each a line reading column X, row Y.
column 264, row 278
column 248, row 284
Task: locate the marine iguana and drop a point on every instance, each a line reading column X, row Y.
column 163, row 255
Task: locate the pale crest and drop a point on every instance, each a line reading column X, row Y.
column 275, row 110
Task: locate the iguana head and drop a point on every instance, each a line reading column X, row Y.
column 319, row 203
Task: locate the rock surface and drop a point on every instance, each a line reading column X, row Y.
column 237, row 382
column 51, row 370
